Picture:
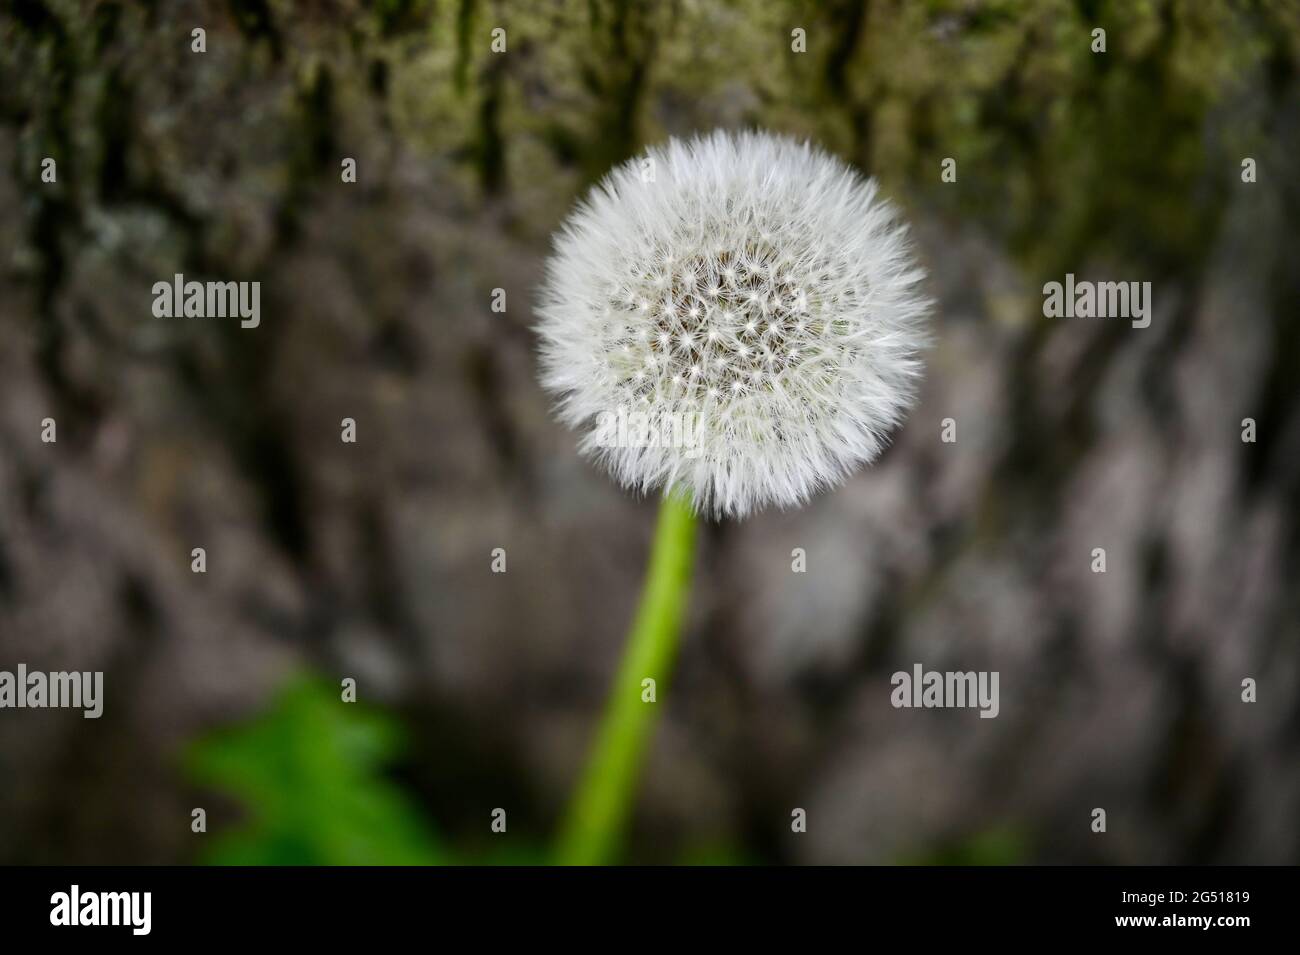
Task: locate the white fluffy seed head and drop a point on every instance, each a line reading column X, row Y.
column 753, row 300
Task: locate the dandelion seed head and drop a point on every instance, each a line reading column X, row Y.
column 790, row 300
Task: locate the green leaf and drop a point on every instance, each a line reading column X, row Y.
column 308, row 774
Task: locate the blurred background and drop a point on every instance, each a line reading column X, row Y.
column 372, row 560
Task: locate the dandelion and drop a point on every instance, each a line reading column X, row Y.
column 748, row 239
column 788, row 322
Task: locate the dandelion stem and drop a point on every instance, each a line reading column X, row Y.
column 603, row 799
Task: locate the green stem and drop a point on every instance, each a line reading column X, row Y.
column 603, row 799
